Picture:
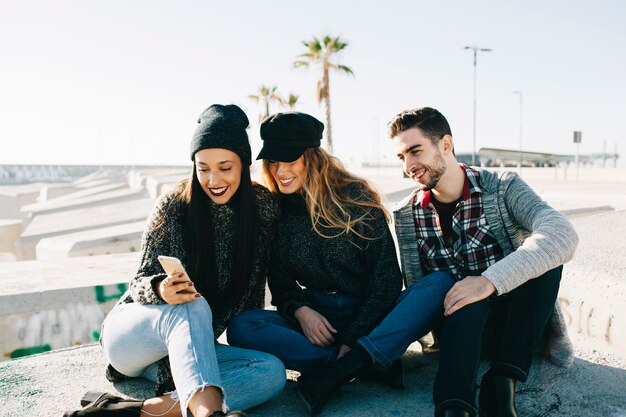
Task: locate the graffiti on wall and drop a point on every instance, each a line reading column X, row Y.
column 41, row 331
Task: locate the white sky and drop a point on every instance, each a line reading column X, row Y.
column 122, row 82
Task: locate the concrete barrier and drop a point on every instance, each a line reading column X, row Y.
column 92, row 200
column 79, row 193
column 123, row 238
column 76, row 220
column 51, row 304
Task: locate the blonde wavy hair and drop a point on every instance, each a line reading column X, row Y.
column 327, row 191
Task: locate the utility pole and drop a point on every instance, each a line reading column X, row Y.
column 521, row 124
column 475, row 49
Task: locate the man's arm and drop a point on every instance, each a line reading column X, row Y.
column 552, row 241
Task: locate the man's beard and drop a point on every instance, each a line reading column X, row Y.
column 434, row 171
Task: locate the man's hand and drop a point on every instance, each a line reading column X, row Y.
column 467, row 291
column 315, row 326
column 177, row 289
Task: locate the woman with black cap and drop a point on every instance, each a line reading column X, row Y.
column 164, row 328
column 334, row 273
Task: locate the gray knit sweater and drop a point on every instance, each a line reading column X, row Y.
column 535, row 239
column 169, row 240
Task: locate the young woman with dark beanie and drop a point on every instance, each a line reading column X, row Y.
column 219, row 224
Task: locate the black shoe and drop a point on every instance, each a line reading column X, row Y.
column 113, row 375
column 316, row 387
column 486, row 396
column 230, row 414
column 393, row 377
column 504, row 391
column 455, row 412
column 101, row 404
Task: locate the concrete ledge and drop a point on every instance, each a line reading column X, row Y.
column 48, row 384
column 53, row 304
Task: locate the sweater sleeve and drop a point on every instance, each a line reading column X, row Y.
column 155, row 241
column 287, row 294
column 384, row 280
column 551, row 243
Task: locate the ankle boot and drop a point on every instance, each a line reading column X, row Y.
column 455, row 412
column 487, row 396
column 504, row 392
column 393, row 377
column 106, row 405
column 317, row 386
column 230, row 414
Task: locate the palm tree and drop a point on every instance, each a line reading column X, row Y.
column 266, row 95
column 291, row 101
column 320, row 51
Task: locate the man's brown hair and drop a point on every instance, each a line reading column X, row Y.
column 430, row 121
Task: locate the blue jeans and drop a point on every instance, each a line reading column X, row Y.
column 268, row 331
column 135, row 336
column 418, row 310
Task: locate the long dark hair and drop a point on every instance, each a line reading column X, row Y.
column 200, row 241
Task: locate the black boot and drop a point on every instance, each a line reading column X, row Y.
column 393, row 377
column 105, row 405
column 455, row 412
column 504, row 391
column 230, row 414
column 317, row 386
column 486, row 396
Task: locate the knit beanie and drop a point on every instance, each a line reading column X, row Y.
column 223, row 126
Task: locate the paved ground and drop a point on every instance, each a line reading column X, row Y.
column 47, row 384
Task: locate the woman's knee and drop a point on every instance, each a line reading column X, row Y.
column 198, row 308
column 241, row 327
column 273, row 374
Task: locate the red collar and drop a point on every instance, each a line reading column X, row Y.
column 466, row 190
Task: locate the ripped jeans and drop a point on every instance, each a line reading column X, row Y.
column 135, row 336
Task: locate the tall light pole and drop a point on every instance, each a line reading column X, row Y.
column 475, row 49
column 521, row 126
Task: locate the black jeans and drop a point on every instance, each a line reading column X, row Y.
column 516, row 322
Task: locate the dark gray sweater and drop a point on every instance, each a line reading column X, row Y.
column 169, row 240
column 346, row 264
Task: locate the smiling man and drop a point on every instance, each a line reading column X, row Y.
column 503, row 246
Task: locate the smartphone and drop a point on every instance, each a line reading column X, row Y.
column 172, row 266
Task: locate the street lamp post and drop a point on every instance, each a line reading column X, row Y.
column 475, row 49
column 521, row 125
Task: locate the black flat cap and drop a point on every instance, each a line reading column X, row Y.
column 286, row 135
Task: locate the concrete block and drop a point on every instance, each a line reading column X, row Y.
column 79, row 193
column 12, row 199
column 89, row 200
column 157, row 185
column 76, row 220
column 10, row 230
column 54, row 190
column 115, row 239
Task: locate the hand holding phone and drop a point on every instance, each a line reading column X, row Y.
column 176, row 287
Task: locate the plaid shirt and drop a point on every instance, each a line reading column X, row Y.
column 474, row 248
